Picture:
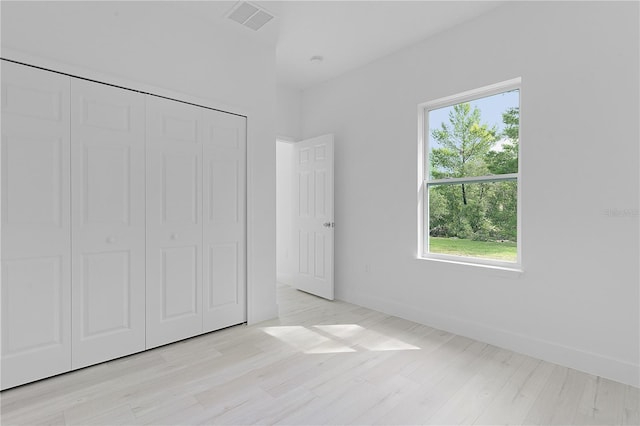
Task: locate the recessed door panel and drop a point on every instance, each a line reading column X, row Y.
column 34, row 101
column 320, row 193
column 226, row 137
column 36, row 283
column 224, row 232
column 33, row 180
column 303, row 155
column 179, row 282
column 320, row 152
column 223, row 275
column 108, row 256
column 304, row 258
column 174, row 221
column 35, row 238
column 106, row 290
column 106, row 184
column 224, row 191
column 108, row 114
column 319, row 254
column 304, row 194
column 180, row 188
column 179, row 127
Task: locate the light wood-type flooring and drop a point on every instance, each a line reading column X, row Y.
column 324, row 363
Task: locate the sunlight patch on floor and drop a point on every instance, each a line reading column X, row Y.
column 366, row 338
column 336, row 338
column 306, row 340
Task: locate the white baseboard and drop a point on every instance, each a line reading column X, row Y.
column 588, row 362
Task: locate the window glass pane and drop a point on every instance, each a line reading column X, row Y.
column 474, row 219
column 475, row 138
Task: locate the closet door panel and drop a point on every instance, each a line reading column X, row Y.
column 108, row 215
column 174, row 221
column 36, row 275
column 179, row 282
column 224, row 220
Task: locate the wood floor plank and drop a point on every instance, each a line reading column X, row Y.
column 35, row 418
column 229, row 405
column 391, row 393
column 608, row 402
column 352, row 395
column 474, row 396
column 120, row 415
column 155, row 410
column 270, row 411
column 47, row 392
column 64, row 394
column 558, row 402
column 513, row 402
column 443, row 380
column 631, row 413
column 353, row 365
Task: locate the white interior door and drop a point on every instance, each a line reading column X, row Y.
column 224, row 171
column 36, row 265
column 108, row 222
column 312, row 216
column 174, row 221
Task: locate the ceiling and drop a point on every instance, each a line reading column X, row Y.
column 347, row 34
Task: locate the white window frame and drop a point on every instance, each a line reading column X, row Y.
column 424, row 181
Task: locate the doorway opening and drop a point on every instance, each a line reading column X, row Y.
column 284, row 208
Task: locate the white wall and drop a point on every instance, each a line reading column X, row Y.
column 284, row 174
column 288, row 129
column 288, row 113
column 577, row 301
column 162, row 47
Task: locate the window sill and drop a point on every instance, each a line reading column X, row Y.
column 514, row 271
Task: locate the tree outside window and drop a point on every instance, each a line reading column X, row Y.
column 471, row 185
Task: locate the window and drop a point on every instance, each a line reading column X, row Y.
column 469, row 189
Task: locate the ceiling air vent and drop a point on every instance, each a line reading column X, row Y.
column 249, row 15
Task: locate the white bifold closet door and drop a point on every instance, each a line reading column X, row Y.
column 224, row 236
column 123, row 222
column 36, row 274
column 196, row 230
column 108, row 222
column 174, row 221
